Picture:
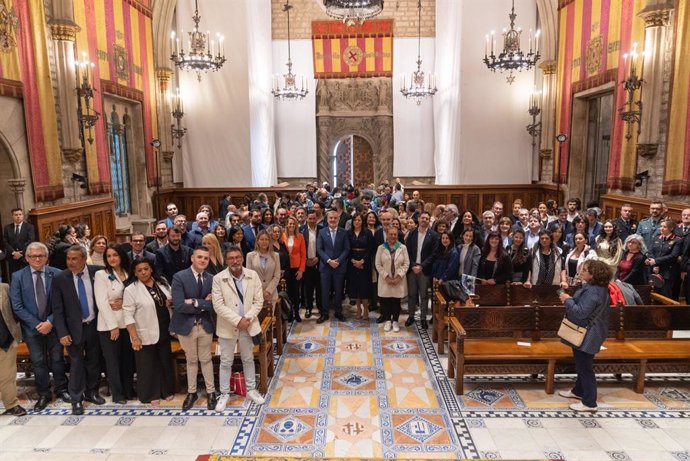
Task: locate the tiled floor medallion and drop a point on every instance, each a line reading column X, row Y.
column 285, row 429
column 399, row 347
column 419, row 429
column 354, row 380
column 309, row 347
column 485, row 396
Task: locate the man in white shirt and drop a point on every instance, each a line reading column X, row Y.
column 311, row 280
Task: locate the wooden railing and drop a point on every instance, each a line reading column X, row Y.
column 611, row 205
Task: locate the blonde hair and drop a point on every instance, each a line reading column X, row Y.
column 291, row 218
column 210, row 241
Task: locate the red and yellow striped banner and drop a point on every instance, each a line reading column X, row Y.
column 342, row 51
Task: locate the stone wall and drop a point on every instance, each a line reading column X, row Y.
column 305, row 11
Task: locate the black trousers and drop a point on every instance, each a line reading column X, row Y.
column 293, row 286
column 84, row 368
column 390, row 308
column 311, row 284
column 119, row 364
column 155, row 370
column 586, row 383
column 46, row 354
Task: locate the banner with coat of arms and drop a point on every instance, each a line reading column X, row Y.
column 361, row 50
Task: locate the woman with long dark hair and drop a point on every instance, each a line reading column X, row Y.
column 494, row 264
column 58, row 245
column 236, row 238
column 362, row 250
column 109, row 287
column 447, row 260
column 588, row 307
column 547, row 263
column 574, row 261
column 468, row 254
column 609, row 247
column 267, row 216
column 520, row 257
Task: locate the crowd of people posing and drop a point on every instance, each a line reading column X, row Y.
column 121, row 304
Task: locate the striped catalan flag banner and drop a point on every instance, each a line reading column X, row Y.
column 361, row 50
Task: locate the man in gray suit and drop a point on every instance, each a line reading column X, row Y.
column 191, row 320
column 29, row 293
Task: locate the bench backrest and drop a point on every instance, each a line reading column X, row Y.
column 491, row 295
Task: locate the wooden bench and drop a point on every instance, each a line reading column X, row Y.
column 484, row 340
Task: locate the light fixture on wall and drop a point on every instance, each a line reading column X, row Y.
column 353, row 12
column 534, row 128
column 285, row 85
column 176, row 129
column 511, row 58
column 202, row 53
column 631, row 111
column 86, row 114
column 420, row 85
column 9, row 22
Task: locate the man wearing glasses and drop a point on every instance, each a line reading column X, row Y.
column 29, row 292
column 138, row 251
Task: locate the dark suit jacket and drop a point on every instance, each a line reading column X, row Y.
column 567, row 228
column 429, row 250
column 380, row 237
column 164, row 261
column 249, row 234
column 638, row 273
column 184, row 286
column 326, row 250
column 23, row 298
column 147, row 254
column 153, row 246
column 27, row 234
column 64, row 301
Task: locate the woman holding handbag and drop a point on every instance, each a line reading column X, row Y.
column 589, row 308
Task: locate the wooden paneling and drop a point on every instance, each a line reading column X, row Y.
column 611, row 204
column 98, row 214
column 476, row 198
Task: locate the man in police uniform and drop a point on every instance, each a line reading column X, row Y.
column 626, row 224
column 649, row 227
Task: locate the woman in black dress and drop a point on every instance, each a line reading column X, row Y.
column 362, row 249
column 631, row 268
column 495, row 267
column 520, row 257
column 275, row 233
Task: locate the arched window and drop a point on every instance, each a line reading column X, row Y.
column 117, row 142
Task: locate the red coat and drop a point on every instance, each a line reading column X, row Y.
column 298, row 255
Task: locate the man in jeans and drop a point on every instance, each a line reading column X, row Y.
column 237, row 299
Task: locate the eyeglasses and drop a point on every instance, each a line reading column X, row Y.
column 36, row 256
column 137, row 241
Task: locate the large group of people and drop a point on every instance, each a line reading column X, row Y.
column 117, row 307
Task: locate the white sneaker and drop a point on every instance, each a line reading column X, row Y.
column 222, row 402
column 569, row 395
column 255, row 397
column 387, row 326
column 582, row 407
column 396, row 327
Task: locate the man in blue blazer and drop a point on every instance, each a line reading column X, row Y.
column 332, row 246
column 252, row 229
column 75, row 314
column 192, row 321
column 45, row 350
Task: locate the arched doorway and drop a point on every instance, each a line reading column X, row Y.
column 352, row 162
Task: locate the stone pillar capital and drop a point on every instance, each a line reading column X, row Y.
column 655, row 18
column 72, row 155
column 548, row 67
column 64, row 30
column 17, row 185
column 163, row 74
column 167, row 155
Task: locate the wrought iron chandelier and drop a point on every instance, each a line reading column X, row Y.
column 86, row 114
column 285, row 85
column 631, row 111
column 512, row 58
column 9, row 22
column 421, row 85
column 353, row 11
column 202, row 53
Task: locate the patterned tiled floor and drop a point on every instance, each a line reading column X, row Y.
column 349, row 389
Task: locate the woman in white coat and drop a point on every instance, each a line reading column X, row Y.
column 574, row 260
column 392, row 262
column 146, row 305
column 109, row 287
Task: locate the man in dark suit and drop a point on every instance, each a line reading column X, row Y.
column 332, row 246
column 252, row 229
column 29, row 292
column 17, row 236
column 75, row 313
column 683, row 231
column 562, row 220
column 138, row 250
column 191, row 320
column 625, row 224
column 310, row 280
column 187, row 238
column 160, row 237
column 422, row 246
column 173, row 257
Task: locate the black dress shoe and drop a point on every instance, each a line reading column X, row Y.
column 307, row 314
column 409, row 321
column 16, row 410
column 425, row 325
column 380, row 319
column 340, row 317
column 120, row 401
column 322, row 319
column 41, row 403
column 189, row 401
column 212, row 401
column 95, row 399
column 64, row 396
column 297, row 318
column 78, row 408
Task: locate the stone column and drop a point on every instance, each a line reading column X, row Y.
column 64, row 32
column 323, row 172
column 167, row 148
column 18, row 186
column 548, row 119
column 656, row 16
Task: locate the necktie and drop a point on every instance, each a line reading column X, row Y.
column 16, row 230
column 239, row 293
column 333, row 236
column 256, row 231
column 41, row 300
column 200, row 285
column 83, row 302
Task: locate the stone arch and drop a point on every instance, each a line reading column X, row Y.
column 15, row 166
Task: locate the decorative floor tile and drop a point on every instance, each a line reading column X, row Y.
column 399, row 347
column 286, row 429
column 353, row 380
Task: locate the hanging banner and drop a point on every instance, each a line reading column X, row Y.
column 362, row 50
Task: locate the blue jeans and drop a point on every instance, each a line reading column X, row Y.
column 586, row 383
column 46, row 354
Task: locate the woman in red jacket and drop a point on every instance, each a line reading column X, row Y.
column 297, row 249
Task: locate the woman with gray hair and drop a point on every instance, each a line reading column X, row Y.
column 631, row 268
